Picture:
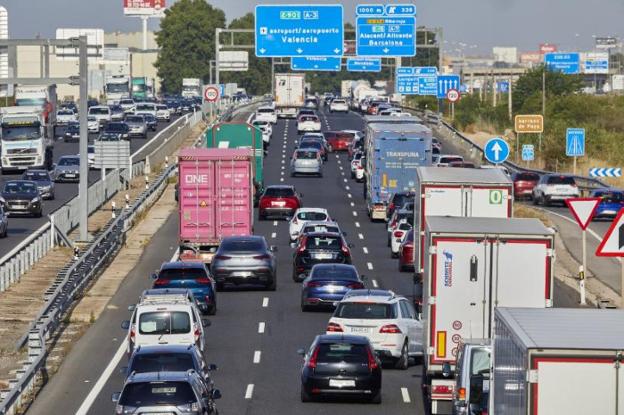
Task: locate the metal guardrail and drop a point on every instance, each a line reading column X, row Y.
column 69, row 285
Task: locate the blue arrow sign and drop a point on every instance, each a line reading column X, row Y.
column 363, row 65
column 299, row 30
column 315, row 64
column 446, row 82
column 568, row 63
column 390, row 33
column 575, row 142
column 605, row 172
column 528, row 152
column 496, row 150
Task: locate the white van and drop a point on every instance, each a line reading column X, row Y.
column 102, row 113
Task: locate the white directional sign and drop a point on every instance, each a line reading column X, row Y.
column 613, row 242
column 583, row 209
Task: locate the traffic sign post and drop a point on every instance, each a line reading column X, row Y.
column 612, row 245
column 575, row 144
column 315, row 64
column 453, row 95
column 496, row 150
column 583, row 210
column 388, row 30
column 527, row 124
column 211, row 94
column 364, row 65
column 299, row 30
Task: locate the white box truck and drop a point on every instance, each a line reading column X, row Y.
column 472, row 266
column 191, row 87
column 446, row 191
column 289, row 94
column 558, row 361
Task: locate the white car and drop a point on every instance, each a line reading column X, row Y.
column 65, row 117
column 267, row 130
column 101, row 112
column 163, row 113
column 389, row 322
column 91, row 156
column 359, row 170
column 443, row 160
column 93, row 125
column 307, row 123
column 145, row 108
column 398, row 236
column 266, row 114
column 339, row 105
column 355, row 162
column 305, row 215
column 128, row 105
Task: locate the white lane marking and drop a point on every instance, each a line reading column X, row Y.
column 282, row 172
column 347, row 187
column 349, row 195
column 273, row 235
column 406, row 397
column 274, row 223
column 369, row 265
column 360, row 236
column 261, row 327
column 256, row 358
column 340, row 167
column 281, row 179
column 265, row 302
column 365, row 249
column 357, row 224
column 375, row 283
column 283, row 167
column 283, row 162
column 354, row 213
column 339, row 162
column 352, row 204
column 249, row 391
column 345, row 180
column 99, row 385
column 336, row 155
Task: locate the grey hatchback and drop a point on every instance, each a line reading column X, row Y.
column 306, row 161
column 242, row 260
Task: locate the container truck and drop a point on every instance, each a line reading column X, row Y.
column 289, row 94
column 117, row 87
column 191, row 87
column 472, row 266
column 443, row 191
column 23, row 139
column 139, row 88
column 393, row 152
column 558, row 361
column 215, row 199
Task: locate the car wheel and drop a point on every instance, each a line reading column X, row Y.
column 52, row 196
column 219, row 286
column 388, row 241
column 304, row 307
column 394, row 254
column 4, row 233
column 401, row 267
column 320, row 175
column 261, row 216
column 403, row 362
column 305, row 397
column 213, row 310
column 295, row 277
column 376, row 398
column 39, row 214
column 273, row 285
column 535, row 200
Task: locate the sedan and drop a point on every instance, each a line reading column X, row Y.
column 319, row 248
column 21, row 197
column 611, row 202
column 120, row 129
column 328, row 283
column 339, row 140
column 339, row 105
column 242, row 260
column 303, row 215
column 524, row 182
column 93, row 126
column 65, row 116
column 315, row 143
column 308, row 123
column 306, row 161
column 163, row 113
column 169, row 358
column 137, row 125
column 398, row 236
column 67, row 169
column 45, row 185
column 72, row 132
column 341, row 365
column 190, row 275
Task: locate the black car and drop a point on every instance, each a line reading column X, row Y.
column 341, row 365
column 193, row 276
column 168, row 358
column 72, row 132
column 151, row 121
column 21, row 197
column 43, row 180
column 319, row 248
column 119, row 128
column 397, row 200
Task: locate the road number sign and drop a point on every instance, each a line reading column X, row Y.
column 453, row 95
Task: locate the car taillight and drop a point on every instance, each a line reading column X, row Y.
column 461, row 394
column 265, row 256
column 398, row 234
column 301, row 247
column 312, row 360
column 313, row 284
column 208, row 300
column 197, row 333
column 132, row 335
column 295, row 221
column 355, row 285
column 160, row 282
column 391, row 206
column 334, row 328
column 345, row 250
column 222, row 257
column 203, row 280
column 360, row 167
column 390, row 329
column 372, row 363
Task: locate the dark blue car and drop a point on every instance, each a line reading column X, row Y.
column 193, row 276
column 169, row 358
column 611, row 201
column 328, row 283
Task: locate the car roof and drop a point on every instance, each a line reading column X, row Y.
column 182, row 265
column 249, row 238
column 390, row 298
column 164, row 348
column 369, row 292
column 311, row 209
column 159, row 376
column 320, row 222
column 342, row 338
column 335, row 266
column 280, row 186
column 35, row 171
column 69, row 156
column 324, row 234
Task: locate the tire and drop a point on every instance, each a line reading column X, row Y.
column 376, row 398
column 403, row 362
column 305, row 397
column 39, row 214
column 273, row 285
column 320, row 175
column 304, row 308
column 394, row 254
column 261, row 216
column 219, row 286
column 535, row 200
column 389, row 242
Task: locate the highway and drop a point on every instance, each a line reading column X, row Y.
column 254, row 336
column 21, row 227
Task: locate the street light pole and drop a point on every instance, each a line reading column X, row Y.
column 83, row 147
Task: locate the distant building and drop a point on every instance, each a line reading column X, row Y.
column 508, row 55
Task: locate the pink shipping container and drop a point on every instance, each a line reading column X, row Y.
column 215, row 198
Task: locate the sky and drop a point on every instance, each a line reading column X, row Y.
column 470, row 27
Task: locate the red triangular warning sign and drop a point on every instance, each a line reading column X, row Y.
column 583, row 209
column 613, row 242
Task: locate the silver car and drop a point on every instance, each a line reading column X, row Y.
column 306, row 161
column 137, row 125
column 242, row 260
column 67, row 169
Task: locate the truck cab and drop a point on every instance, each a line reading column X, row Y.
column 23, row 141
column 472, row 377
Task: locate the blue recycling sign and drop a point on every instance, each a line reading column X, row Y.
column 446, row 82
column 528, row 152
column 299, row 30
column 575, row 142
column 496, row 150
column 388, row 30
column 315, row 64
column 568, row 63
column 364, row 65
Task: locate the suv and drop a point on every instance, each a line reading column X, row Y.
column 279, row 200
column 554, row 188
column 101, row 112
column 193, row 276
column 390, row 323
column 338, row 105
column 144, row 108
column 137, row 125
column 524, row 182
column 174, row 393
column 306, row 214
column 472, row 376
column 266, row 114
column 120, row 129
column 169, row 358
column 319, row 248
column 306, row 161
column 307, row 123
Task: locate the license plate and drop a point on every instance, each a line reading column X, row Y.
column 323, row 256
column 242, row 274
column 70, row 175
column 278, row 204
column 359, row 329
column 18, row 207
column 341, row 383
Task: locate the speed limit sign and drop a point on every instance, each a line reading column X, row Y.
column 453, row 95
column 211, row 93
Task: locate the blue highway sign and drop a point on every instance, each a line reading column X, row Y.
column 363, row 65
column 568, row 63
column 502, row 86
column 446, row 82
column 496, row 150
column 315, row 64
column 528, row 152
column 575, row 142
column 299, row 30
column 419, row 80
column 391, row 33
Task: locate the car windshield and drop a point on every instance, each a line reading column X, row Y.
column 332, row 273
column 126, row 102
column 311, row 118
column 531, row 177
column 134, row 118
column 99, row 111
column 69, row 161
column 266, row 110
column 181, row 273
column 565, row 180
column 367, row 311
column 306, row 154
column 161, row 107
column 65, row 112
column 36, row 175
column 333, row 243
column 114, row 126
column 145, row 107
column 233, row 245
column 312, row 215
column 311, row 144
column 161, row 362
column 165, row 322
column 20, row 187
column 400, row 198
column 142, row 394
column 611, row 196
column 279, row 192
column 342, row 352
column 447, row 159
column 320, row 228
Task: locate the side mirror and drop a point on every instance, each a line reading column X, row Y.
column 212, row 367
column 344, row 234
column 206, row 323
column 335, row 303
column 446, row 370
column 125, row 324
column 216, row 394
column 154, row 276
column 273, row 248
column 131, row 307
column 301, row 352
column 300, row 194
column 115, row 397
column 363, row 277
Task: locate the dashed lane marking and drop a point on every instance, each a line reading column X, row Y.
column 354, row 213
column 256, row 358
column 360, row 236
column 375, row 283
column 406, row 396
column 265, row 302
column 349, row 195
column 357, row 224
column 249, row 391
column 369, row 265
column 261, row 327
column 347, row 187
column 365, row 249
column 274, row 223
column 273, row 235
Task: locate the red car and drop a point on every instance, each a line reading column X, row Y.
column 406, row 253
column 279, row 200
column 339, row 140
column 524, row 184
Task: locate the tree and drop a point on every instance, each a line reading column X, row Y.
column 186, row 42
column 529, row 87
